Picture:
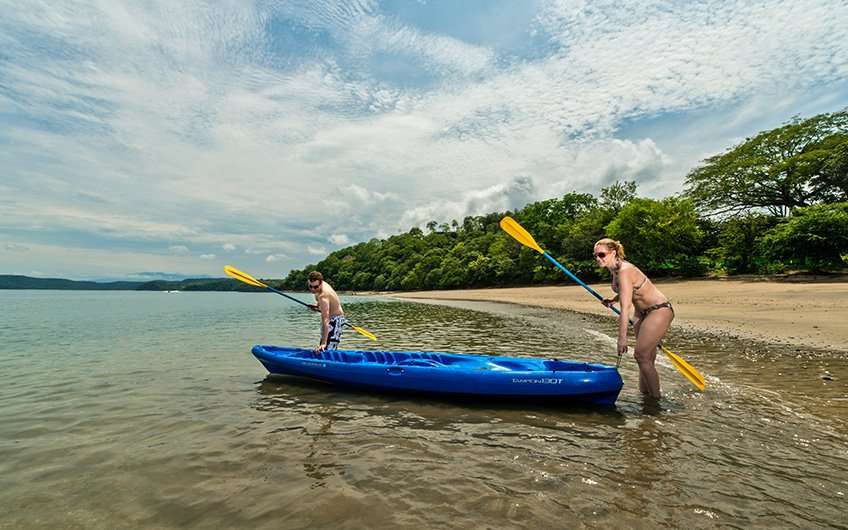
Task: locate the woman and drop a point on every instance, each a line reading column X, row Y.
column 653, row 312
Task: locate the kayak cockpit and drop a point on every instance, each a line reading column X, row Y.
column 437, row 360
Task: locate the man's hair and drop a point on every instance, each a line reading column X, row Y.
column 316, row 276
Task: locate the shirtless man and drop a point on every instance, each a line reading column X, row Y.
column 328, row 304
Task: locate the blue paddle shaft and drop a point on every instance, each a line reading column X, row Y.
column 579, row 281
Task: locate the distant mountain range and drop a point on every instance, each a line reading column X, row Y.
column 10, row 281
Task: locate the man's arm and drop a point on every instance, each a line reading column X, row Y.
column 324, row 307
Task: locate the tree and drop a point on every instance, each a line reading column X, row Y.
column 813, row 238
column 614, row 197
column 833, row 177
column 738, row 245
column 777, row 170
column 660, row 236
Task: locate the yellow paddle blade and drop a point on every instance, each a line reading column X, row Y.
column 688, row 371
column 511, row 227
column 233, row 272
column 364, row 332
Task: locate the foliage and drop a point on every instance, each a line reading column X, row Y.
column 661, row 236
column 814, row 238
column 784, row 187
column 737, row 248
column 799, row 164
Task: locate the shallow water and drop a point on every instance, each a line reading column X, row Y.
column 128, row 410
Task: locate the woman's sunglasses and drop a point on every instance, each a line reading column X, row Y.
column 601, row 255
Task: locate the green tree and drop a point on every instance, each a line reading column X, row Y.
column 814, row 238
column 616, row 196
column 777, row 170
column 737, row 249
column 833, row 177
column 659, row 236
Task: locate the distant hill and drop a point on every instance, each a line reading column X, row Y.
column 198, row 284
column 10, row 281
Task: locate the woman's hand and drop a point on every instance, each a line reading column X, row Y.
column 622, row 347
column 608, row 301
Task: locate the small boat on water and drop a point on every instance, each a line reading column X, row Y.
column 450, row 374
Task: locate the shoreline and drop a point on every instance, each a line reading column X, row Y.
column 794, row 313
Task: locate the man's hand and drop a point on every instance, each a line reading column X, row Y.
column 320, row 348
column 313, row 307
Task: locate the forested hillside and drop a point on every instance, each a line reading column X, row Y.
column 776, row 202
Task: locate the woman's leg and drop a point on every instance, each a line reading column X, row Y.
column 651, row 329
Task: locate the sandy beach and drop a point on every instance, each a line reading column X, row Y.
column 805, row 314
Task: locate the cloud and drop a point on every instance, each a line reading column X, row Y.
column 273, row 258
column 339, row 239
column 207, row 256
column 281, row 127
column 14, row 247
column 500, row 197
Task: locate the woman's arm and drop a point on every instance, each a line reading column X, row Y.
column 625, row 294
column 610, row 301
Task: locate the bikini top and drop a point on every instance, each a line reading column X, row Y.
column 635, row 287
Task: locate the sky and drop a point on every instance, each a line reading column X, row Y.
column 167, row 139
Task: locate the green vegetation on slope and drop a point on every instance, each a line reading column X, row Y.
column 775, row 202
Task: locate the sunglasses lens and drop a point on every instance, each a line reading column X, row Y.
column 601, row 255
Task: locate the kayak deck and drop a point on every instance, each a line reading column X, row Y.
column 443, row 373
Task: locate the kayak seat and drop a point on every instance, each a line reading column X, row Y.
column 379, row 357
column 513, row 365
column 421, row 362
column 566, row 366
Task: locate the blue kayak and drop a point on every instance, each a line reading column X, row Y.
column 450, row 374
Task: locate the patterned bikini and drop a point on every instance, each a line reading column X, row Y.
column 644, row 312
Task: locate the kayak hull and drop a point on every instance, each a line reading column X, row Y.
column 450, row 374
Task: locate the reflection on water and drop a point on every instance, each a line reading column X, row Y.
column 146, row 410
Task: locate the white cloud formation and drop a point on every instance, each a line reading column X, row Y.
column 278, row 127
column 13, row 247
column 339, row 239
column 178, row 249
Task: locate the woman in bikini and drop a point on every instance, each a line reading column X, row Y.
column 653, row 312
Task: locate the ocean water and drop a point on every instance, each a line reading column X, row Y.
column 147, row 410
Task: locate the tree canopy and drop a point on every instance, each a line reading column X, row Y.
column 788, row 189
column 799, row 164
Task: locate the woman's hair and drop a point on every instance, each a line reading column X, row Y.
column 612, row 244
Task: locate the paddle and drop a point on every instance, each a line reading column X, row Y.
column 511, row 227
column 233, row 272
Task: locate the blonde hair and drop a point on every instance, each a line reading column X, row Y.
column 612, row 244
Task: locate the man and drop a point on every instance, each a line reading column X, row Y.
column 328, row 304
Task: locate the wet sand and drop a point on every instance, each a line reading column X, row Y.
column 805, row 314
